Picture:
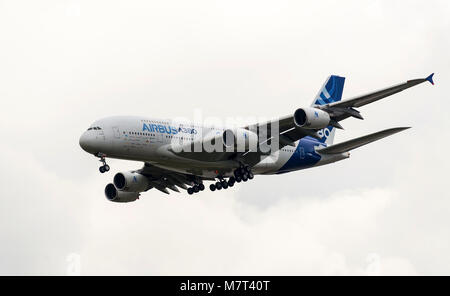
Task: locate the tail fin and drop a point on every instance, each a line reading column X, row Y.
column 330, row 92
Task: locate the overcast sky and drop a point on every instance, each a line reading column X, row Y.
column 64, row 64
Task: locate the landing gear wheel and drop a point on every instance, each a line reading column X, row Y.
column 104, row 167
column 238, row 179
column 244, row 178
column 218, row 185
column 190, row 191
column 196, row 189
column 230, row 183
column 250, row 175
column 212, row 187
column 224, row 184
column 201, row 186
column 247, row 169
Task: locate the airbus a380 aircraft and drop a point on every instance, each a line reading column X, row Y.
column 178, row 155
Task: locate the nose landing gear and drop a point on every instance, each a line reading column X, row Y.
column 104, row 168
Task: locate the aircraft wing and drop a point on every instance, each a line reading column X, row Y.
column 338, row 110
column 344, row 109
column 164, row 179
column 328, row 100
column 358, row 142
column 288, row 133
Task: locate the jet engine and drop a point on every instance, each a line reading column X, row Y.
column 131, row 182
column 311, row 118
column 241, row 139
column 112, row 194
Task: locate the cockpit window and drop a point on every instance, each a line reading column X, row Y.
column 94, row 128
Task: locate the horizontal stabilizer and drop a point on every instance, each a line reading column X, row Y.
column 358, row 142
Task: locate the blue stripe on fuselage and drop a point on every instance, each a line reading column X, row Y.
column 303, row 157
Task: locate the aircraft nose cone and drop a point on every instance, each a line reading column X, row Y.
column 87, row 142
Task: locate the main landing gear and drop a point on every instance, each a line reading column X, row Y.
column 241, row 174
column 104, row 167
column 222, row 184
column 196, row 188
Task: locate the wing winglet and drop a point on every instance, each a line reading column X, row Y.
column 430, row 78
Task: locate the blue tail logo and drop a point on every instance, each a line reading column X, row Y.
column 331, row 91
column 326, row 133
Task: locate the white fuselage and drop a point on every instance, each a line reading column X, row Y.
column 149, row 140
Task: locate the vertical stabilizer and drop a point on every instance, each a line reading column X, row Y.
column 330, row 92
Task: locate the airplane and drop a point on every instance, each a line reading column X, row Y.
column 179, row 155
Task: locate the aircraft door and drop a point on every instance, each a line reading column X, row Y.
column 116, row 132
column 159, row 137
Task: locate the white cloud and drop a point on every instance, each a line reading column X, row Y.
column 221, row 236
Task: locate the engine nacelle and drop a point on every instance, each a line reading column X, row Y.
column 241, row 139
column 311, row 118
column 112, row 194
column 131, row 182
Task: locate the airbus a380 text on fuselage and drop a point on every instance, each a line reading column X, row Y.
column 182, row 155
